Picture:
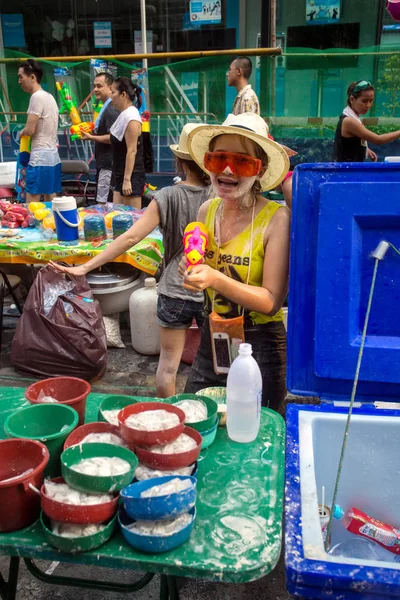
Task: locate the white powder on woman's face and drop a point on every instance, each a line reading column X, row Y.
column 102, row 466
column 152, row 420
column 143, row 473
column 62, row 492
column 161, row 528
column 184, row 443
column 111, row 416
column 165, row 489
column 195, row 410
column 71, row 530
column 104, row 438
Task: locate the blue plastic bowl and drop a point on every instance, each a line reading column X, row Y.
column 209, row 436
column 153, row 543
column 160, row 507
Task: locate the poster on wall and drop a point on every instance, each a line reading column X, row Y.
column 13, row 30
column 319, row 12
column 102, row 34
column 205, row 12
column 137, row 36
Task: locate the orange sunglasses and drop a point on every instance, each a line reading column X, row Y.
column 242, row 165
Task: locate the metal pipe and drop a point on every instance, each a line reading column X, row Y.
column 144, row 30
column 156, row 55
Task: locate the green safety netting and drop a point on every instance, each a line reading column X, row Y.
column 296, row 90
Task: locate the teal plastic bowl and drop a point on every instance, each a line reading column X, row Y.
column 212, row 410
column 209, row 436
column 219, row 395
column 94, row 483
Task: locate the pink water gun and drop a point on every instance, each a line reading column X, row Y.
column 195, row 240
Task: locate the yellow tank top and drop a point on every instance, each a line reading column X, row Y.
column 234, row 261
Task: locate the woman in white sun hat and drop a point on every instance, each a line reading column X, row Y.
column 172, row 209
column 245, row 271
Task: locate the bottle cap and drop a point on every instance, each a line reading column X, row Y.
column 150, row 282
column 245, row 349
column 338, row 512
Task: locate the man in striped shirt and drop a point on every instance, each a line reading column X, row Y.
column 238, row 76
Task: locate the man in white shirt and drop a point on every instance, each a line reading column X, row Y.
column 43, row 174
column 238, row 76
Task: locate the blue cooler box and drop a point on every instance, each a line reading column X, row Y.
column 341, row 213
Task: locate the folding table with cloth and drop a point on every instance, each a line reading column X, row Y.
column 237, row 533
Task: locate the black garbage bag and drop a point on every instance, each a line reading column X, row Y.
column 61, row 331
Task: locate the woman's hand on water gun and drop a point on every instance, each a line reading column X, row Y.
column 200, row 277
column 76, row 271
column 87, row 136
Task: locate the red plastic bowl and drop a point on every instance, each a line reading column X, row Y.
column 20, row 504
column 149, row 438
column 164, row 462
column 67, row 390
column 68, row 513
column 76, row 436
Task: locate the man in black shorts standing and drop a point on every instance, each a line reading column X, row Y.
column 101, row 138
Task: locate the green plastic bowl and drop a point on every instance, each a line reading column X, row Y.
column 93, row 483
column 219, row 395
column 114, row 402
column 212, row 410
column 50, row 424
column 78, row 544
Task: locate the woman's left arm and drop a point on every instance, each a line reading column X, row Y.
column 268, row 298
column 132, row 134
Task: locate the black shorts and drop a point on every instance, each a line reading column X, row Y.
column 269, row 349
column 138, row 181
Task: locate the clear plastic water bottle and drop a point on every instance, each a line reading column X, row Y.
column 243, row 397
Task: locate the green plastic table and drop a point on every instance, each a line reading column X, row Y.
column 237, row 534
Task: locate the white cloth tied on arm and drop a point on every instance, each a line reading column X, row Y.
column 119, row 127
column 349, row 112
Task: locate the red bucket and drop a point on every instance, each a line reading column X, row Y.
column 66, row 390
column 76, row 436
column 70, row 513
column 393, row 7
column 22, row 463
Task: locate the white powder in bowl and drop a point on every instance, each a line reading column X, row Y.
column 111, row 416
column 161, row 528
column 42, row 397
column 183, row 443
column 102, row 466
column 62, row 492
column 165, row 489
column 143, row 473
column 70, row 530
column 152, row 420
column 104, row 438
column 195, row 410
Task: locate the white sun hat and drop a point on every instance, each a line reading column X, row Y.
column 181, row 149
column 254, row 128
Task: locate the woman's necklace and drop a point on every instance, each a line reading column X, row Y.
column 244, row 210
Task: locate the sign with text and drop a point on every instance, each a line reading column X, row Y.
column 320, row 12
column 102, row 34
column 13, row 31
column 205, row 12
column 139, row 41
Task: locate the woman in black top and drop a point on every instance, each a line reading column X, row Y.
column 351, row 139
column 126, row 142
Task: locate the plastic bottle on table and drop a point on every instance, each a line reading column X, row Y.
column 243, row 397
column 359, row 523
